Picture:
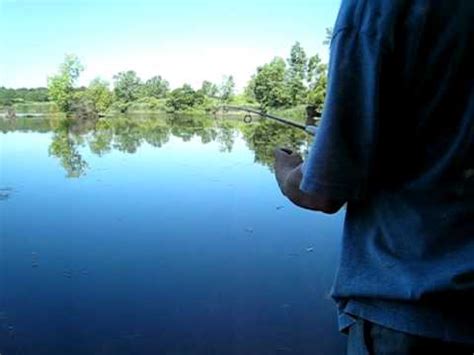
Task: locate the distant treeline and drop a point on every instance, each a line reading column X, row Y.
column 11, row 96
column 280, row 84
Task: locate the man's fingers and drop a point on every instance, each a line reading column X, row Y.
column 287, row 151
column 282, row 152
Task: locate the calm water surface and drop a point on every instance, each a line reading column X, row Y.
column 159, row 236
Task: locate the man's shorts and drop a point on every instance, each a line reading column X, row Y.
column 366, row 338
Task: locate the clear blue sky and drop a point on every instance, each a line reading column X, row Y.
column 182, row 40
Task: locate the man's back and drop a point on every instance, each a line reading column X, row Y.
column 397, row 142
column 428, row 98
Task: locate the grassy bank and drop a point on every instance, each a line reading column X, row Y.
column 158, row 106
column 46, row 108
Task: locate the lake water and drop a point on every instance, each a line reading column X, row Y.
column 159, row 235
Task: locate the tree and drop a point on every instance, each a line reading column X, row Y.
column 298, row 61
column 209, row 89
column 184, row 98
column 127, row 86
column 227, row 89
column 61, row 85
column 11, row 96
column 298, row 64
column 270, row 84
column 155, row 87
column 99, row 94
column 314, row 64
column 328, row 37
column 317, row 81
column 249, row 90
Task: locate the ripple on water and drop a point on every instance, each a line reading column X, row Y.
column 5, row 193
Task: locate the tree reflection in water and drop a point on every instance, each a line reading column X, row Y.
column 66, row 140
column 127, row 134
column 264, row 137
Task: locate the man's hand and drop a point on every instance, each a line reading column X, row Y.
column 288, row 174
column 285, row 162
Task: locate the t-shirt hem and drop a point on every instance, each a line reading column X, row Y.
column 387, row 317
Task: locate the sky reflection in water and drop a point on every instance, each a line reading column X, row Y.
column 159, row 236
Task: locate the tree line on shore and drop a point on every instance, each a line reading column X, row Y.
column 279, row 84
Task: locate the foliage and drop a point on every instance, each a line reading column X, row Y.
column 184, row 98
column 29, row 107
column 270, row 84
column 209, row 89
column 244, row 100
column 88, row 103
column 328, row 37
column 227, row 89
column 10, row 96
column 278, row 85
column 317, row 95
column 99, row 95
column 127, row 86
column 82, row 106
column 147, row 104
column 317, row 81
column 61, row 85
column 249, row 90
column 155, row 87
column 296, row 74
column 296, row 113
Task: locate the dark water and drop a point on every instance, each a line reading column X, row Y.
column 159, row 236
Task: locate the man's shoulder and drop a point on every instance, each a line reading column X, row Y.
column 378, row 17
column 384, row 15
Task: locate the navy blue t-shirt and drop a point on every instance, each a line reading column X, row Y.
column 397, row 142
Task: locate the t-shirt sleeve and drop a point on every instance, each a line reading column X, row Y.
column 341, row 157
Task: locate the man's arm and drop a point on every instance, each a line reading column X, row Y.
column 340, row 166
column 289, row 176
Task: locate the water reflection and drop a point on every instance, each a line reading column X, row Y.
column 127, row 134
column 64, row 146
column 164, row 247
column 263, row 137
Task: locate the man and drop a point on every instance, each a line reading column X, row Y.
column 396, row 143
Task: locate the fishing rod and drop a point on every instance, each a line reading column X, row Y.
column 311, row 117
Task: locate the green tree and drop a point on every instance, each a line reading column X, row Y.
column 249, row 90
column 156, row 87
column 314, row 66
column 37, row 95
column 209, row 89
column 298, row 64
column 61, row 85
column 270, row 87
column 317, row 81
column 227, row 89
column 328, row 36
column 127, row 86
column 99, row 95
column 7, row 96
column 184, row 98
column 11, row 96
